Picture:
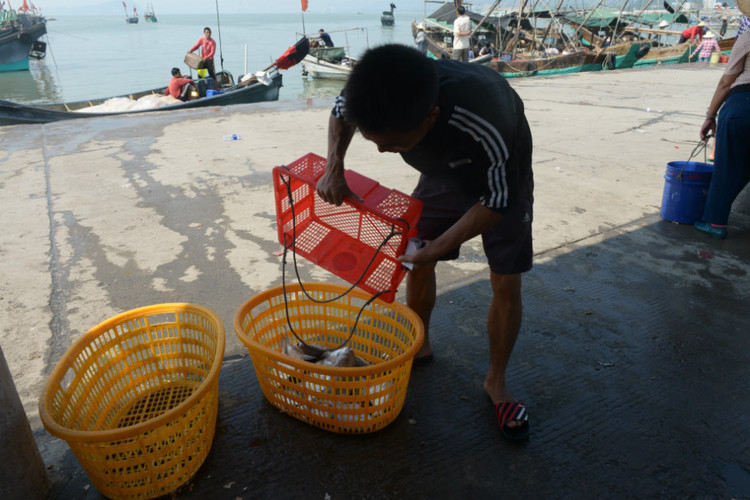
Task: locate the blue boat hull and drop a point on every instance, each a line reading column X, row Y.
column 16, row 44
column 20, row 114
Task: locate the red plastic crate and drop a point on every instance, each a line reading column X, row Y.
column 344, row 239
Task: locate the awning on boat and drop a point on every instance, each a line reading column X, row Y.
column 603, row 17
column 652, row 19
column 445, row 16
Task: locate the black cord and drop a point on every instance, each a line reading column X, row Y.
column 299, row 279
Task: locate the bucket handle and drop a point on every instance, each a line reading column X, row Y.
column 701, row 145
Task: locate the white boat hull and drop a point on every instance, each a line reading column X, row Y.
column 320, row 68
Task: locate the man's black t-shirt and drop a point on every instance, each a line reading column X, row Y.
column 481, row 140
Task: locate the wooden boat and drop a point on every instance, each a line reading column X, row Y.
column 18, row 114
column 552, row 65
column 727, row 44
column 671, row 54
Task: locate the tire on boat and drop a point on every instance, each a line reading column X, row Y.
column 531, row 68
column 25, row 37
column 642, row 50
column 224, row 78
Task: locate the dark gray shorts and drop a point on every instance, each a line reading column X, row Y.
column 507, row 245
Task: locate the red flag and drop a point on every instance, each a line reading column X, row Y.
column 304, row 5
column 294, row 54
column 123, row 4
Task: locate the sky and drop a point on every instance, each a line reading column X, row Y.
column 101, row 7
column 60, row 7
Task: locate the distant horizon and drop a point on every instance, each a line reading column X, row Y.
column 258, row 7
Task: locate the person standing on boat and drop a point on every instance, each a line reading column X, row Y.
column 180, row 87
column 706, row 48
column 463, row 127
column 325, row 37
column 461, row 36
column 208, row 49
column 731, row 102
column 691, row 33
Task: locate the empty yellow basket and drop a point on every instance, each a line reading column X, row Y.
column 344, row 400
column 136, row 398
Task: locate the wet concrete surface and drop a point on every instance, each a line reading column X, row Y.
column 632, row 359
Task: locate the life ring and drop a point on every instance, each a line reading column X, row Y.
column 642, row 50
column 25, row 38
column 610, row 61
column 531, row 68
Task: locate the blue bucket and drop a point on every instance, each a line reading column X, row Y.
column 685, row 191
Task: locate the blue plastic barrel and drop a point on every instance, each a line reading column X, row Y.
column 685, row 191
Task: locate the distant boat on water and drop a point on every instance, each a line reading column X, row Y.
column 130, row 19
column 149, row 15
column 19, row 33
column 387, row 18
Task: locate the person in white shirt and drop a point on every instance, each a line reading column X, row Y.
column 461, row 36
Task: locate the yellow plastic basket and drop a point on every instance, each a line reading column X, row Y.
column 345, row 400
column 136, row 398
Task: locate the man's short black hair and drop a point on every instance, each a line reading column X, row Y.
column 176, row 72
column 207, row 28
column 461, row 10
column 392, row 88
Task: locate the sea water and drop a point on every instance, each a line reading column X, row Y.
column 90, row 57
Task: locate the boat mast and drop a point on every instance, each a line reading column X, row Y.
column 218, row 26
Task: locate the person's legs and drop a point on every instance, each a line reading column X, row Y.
column 731, row 160
column 420, row 297
column 211, row 69
column 503, row 325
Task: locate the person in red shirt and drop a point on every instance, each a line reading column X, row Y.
column 208, row 49
column 180, row 87
column 691, row 33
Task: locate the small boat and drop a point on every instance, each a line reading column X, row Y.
column 387, row 18
column 149, row 15
column 251, row 91
column 671, row 54
column 19, row 33
column 328, row 63
column 552, row 65
column 130, row 19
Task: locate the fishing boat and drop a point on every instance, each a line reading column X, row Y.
column 19, row 34
column 149, row 15
column 670, row 54
column 130, row 19
column 552, row 65
column 387, row 19
column 330, row 63
column 250, row 91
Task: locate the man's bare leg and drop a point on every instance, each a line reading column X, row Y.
column 420, row 296
column 503, row 324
